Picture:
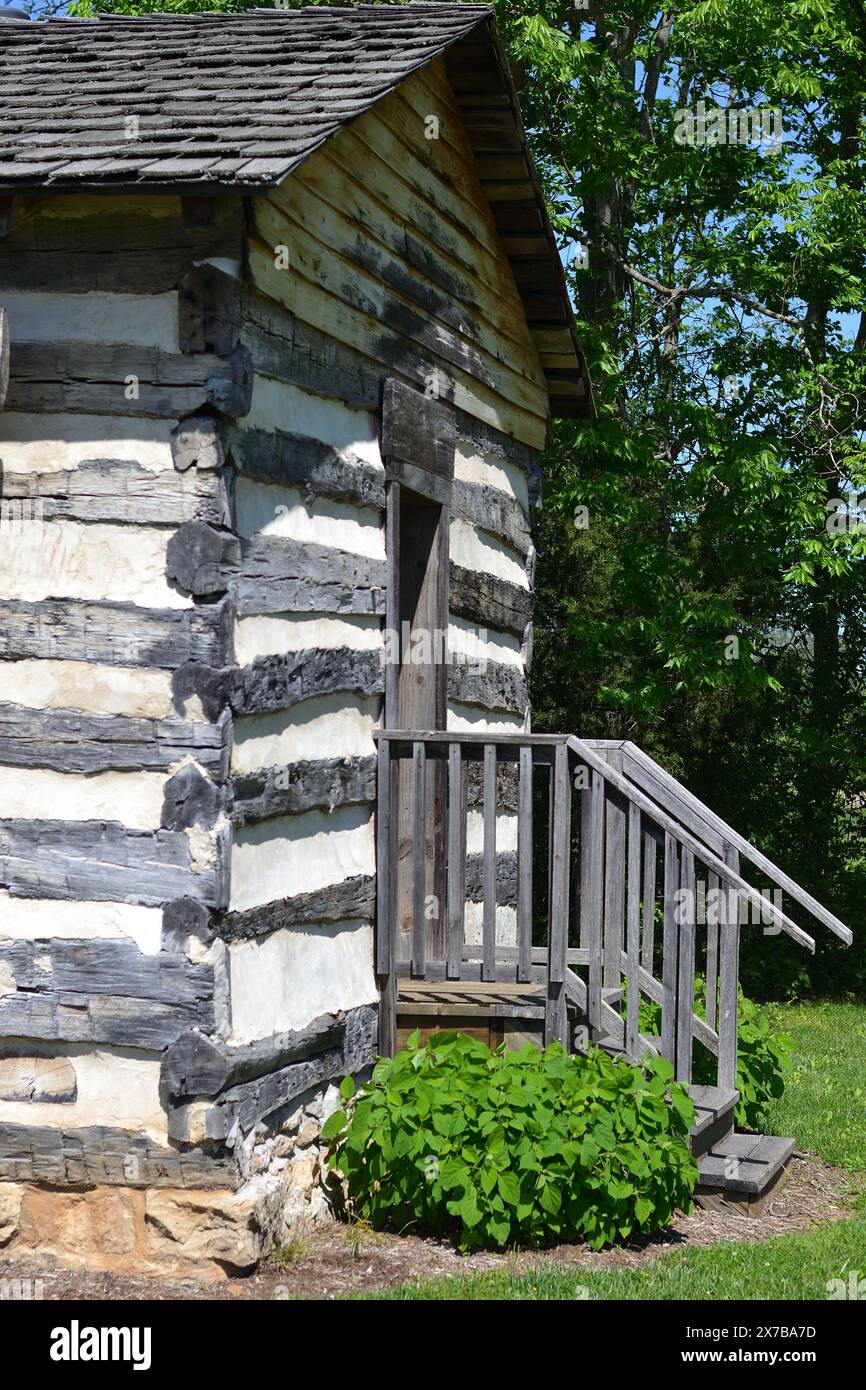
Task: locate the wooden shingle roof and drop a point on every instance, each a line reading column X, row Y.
column 204, row 103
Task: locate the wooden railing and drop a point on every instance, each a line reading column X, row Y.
column 599, row 905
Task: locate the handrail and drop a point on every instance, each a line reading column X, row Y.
column 599, row 906
column 718, row 866
column 658, row 783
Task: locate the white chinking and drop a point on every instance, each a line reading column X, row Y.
column 267, row 509
column 478, row 550
column 296, row 974
column 469, row 642
column 288, row 855
column 323, row 727
column 132, row 798
column 276, row 405
column 272, row 634
column 135, row 320
column 51, row 442
column 131, row 691
column 477, row 466
column 116, row 1087
column 68, row 559
column 40, row 919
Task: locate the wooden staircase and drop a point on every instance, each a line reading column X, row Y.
column 623, row 889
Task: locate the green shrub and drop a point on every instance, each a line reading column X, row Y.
column 514, row 1148
column 763, row 1057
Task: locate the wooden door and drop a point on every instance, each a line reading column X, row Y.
column 417, row 696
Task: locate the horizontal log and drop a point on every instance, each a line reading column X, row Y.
column 303, row 786
column 71, row 742
column 287, row 349
column 278, row 682
column 195, row 1065
column 114, row 490
column 101, row 1155
column 96, row 966
column 113, row 251
column 103, row 861
column 273, row 574
column 124, row 379
column 118, row 1021
column 120, row 634
column 318, row 469
column 506, row 784
column 492, row 685
column 492, row 510
column 237, row 1110
column 488, row 600
column 506, row 879
column 338, row 902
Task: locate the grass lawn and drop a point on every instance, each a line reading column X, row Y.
column 824, row 1108
column 786, row 1267
column 824, row 1105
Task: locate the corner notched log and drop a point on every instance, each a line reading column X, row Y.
column 275, row 574
column 198, row 1066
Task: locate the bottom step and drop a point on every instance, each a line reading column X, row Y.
column 742, row 1166
column 714, row 1117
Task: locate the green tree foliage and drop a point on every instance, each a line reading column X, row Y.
column 706, row 609
column 700, row 604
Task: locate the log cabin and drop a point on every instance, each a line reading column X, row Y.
column 284, row 324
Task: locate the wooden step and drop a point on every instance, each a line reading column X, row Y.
column 743, row 1164
column 714, row 1116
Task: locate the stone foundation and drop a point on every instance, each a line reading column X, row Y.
column 187, row 1233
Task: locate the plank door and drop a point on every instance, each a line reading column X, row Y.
column 417, row 698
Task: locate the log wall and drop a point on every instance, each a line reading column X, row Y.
column 192, row 593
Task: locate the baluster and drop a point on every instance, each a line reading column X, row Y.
column 556, row 1020
column 712, row 947
column 386, row 915
column 614, row 890
column 585, row 854
column 686, row 967
column 524, row 866
column 669, row 948
column 595, row 899
column 729, row 966
column 419, row 860
column 456, row 861
column 632, row 1030
column 650, row 855
column 488, row 875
